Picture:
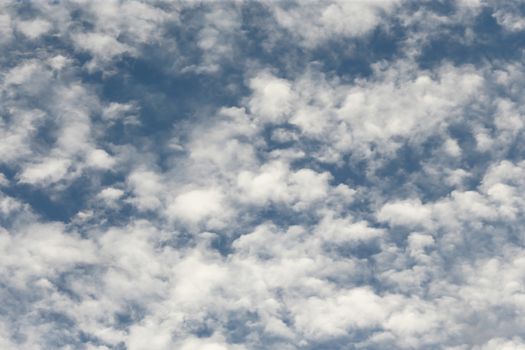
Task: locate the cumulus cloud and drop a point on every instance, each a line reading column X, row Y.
column 316, row 23
column 33, row 29
column 254, row 175
column 196, row 205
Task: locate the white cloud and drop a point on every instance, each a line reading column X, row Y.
column 272, row 98
column 407, row 212
column 316, row 23
column 6, row 29
column 42, row 250
column 33, row 29
column 59, row 62
column 8, row 205
column 15, row 137
column 196, row 205
column 510, row 19
column 46, row 172
column 295, row 208
column 276, row 182
column 397, row 104
column 22, row 73
column 334, row 316
column 111, row 194
column 102, row 46
column 3, row 180
column 339, row 230
column 147, row 188
column 452, row 148
column 504, row 344
column 100, row 159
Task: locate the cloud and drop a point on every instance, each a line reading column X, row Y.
column 316, row 23
column 195, row 205
column 275, row 182
column 46, row 172
column 509, row 17
column 248, row 175
column 332, row 317
column 101, row 46
column 271, row 99
column 33, row 29
column 407, row 212
column 146, row 187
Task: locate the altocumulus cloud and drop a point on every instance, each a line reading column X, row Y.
column 244, row 175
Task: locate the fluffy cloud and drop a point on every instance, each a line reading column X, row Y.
column 316, row 23
column 252, row 175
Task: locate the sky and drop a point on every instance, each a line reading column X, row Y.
column 250, row 175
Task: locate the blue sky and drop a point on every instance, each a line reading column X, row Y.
column 245, row 175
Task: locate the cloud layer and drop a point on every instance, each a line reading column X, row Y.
column 262, row 175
